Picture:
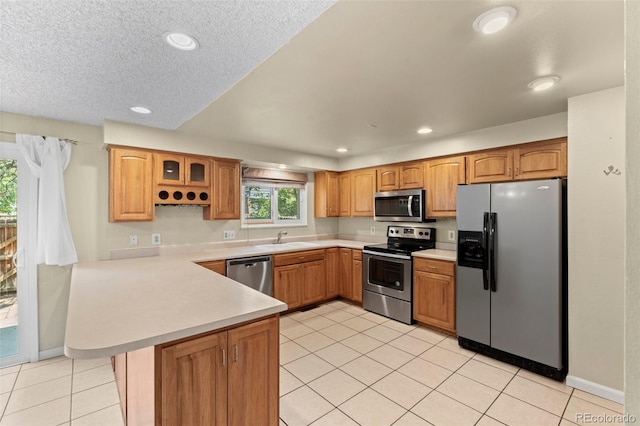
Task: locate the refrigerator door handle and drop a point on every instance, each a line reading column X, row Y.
column 492, row 259
column 485, row 247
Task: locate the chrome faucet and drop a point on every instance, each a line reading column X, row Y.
column 280, row 234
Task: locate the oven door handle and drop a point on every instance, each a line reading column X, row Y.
column 409, row 204
column 383, row 255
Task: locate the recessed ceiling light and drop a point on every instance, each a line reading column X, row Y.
column 342, row 149
column 425, row 130
column 181, row 41
column 140, row 110
column 494, row 20
column 544, row 83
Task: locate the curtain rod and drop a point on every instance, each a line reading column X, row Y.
column 71, row 141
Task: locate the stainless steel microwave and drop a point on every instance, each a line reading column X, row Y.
column 400, row 206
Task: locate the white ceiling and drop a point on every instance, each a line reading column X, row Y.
column 360, row 74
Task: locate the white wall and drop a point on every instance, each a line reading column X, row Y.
column 632, row 293
column 536, row 129
column 596, row 215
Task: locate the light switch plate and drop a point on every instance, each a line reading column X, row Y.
column 229, row 235
column 133, row 239
column 373, row 230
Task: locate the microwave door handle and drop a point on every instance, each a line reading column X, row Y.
column 409, row 204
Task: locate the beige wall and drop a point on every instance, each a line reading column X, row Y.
column 596, row 212
column 536, row 129
column 85, row 184
column 632, row 293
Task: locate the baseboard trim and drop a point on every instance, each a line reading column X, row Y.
column 51, row 353
column 596, row 389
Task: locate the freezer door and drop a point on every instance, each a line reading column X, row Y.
column 472, row 300
column 471, row 203
column 526, row 306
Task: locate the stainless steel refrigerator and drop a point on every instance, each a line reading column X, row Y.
column 511, row 279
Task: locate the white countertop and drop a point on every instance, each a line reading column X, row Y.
column 438, row 254
column 116, row 306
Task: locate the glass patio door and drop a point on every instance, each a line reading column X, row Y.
column 18, row 300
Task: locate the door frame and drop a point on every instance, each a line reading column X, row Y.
column 28, row 274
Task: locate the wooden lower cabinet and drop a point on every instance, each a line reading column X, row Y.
column 194, row 382
column 434, row 293
column 350, row 268
column 218, row 266
column 299, row 278
column 332, row 264
column 226, row 378
column 253, row 390
column 287, row 285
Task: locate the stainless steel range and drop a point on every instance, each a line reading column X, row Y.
column 388, row 271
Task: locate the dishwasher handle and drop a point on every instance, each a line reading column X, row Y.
column 249, row 262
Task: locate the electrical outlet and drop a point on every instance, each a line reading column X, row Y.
column 373, row 230
column 229, row 235
column 133, row 239
column 156, row 240
column 452, row 235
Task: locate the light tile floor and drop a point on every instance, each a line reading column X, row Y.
column 340, row 365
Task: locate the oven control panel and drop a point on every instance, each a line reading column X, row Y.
column 411, row 232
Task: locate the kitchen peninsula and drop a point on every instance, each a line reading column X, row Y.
column 191, row 346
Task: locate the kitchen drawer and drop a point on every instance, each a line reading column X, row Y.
column 214, row 265
column 434, row 266
column 357, row 254
column 297, row 257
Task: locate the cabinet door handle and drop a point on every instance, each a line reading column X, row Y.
column 235, row 353
column 224, row 357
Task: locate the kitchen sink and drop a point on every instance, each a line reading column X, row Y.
column 286, row 246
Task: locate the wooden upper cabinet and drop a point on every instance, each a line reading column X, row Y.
column 363, row 186
column 411, row 175
column 442, row 177
column 388, row 178
column 130, row 185
column 177, row 169
column 490, row 166
column 326, row 194
column 344, row 183
column 400, row 176
column 169, row 169
column 197, row 171
column 226, row 191
column 537, row 160
column 541, row 160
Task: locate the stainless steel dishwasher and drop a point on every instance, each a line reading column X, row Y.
column 254, row 272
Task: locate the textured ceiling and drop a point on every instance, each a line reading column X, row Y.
column 86, row 60
column 304, row 75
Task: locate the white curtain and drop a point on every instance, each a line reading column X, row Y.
column 47, row 159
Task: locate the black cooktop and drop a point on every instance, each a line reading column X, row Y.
column 400, row 248
column 404, row 240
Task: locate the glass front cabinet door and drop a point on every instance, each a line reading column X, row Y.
column 198, row 171
column 170, row 169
